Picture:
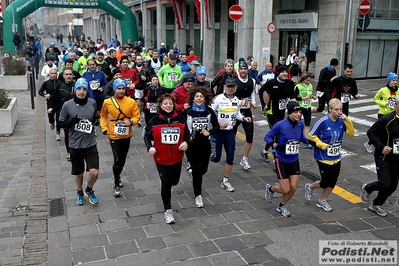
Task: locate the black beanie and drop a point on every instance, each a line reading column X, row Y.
column 334, row 62
column 280, row 68
column 292, row 107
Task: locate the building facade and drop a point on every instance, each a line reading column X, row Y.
column 320, row 29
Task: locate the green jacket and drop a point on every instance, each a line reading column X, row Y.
column 301, row 90
column 385, row 98
column 169, row 76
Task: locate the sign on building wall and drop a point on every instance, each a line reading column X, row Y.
column 297, row 21
column 313, row 41
column 265, row 53
column 75, row 3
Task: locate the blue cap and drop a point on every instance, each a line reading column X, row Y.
column 391, row 76
column 119, row 83
column 52, row 43
column 81, row 83
column 201, row 71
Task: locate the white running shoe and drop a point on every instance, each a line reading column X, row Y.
column 308, row 192
column 57, row 137
column 244, row 163
column 227, row 186
column 198, row 201
column 169, row 219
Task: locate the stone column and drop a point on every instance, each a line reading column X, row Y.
column 161, row 22
column 261, row 37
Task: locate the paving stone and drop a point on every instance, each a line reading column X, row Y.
column 152, row 243
column 107, row 262
column 60, row 256
column 158, row 229
column 185, row 237
column 58, row 240
column 220, row 231
column 230, row 244
column 203, row 248
column 255, row 239
column 120, row 249
column 332, row 228
column 234, row 217
column 126, row 235
column 87, row 255
column 195, row 262
column 283, row 221
column 256, row 255
column 192, row 212
column 306, row 218
column 386, row 233
column 114, row 225
column 354, row 213
column 89, row 241
column 187, row 224
column 176, row 254
column 332, row 216
column 57, row 224
column 356, row 225
column 218, row 209
column 83, row 230
column 255, row 225
column 228, row 258
column 152, row 258
column 377, row 222
column 83, row 220
column 142, row 210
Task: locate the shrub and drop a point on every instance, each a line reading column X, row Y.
column 4, row 100
column 13, row 66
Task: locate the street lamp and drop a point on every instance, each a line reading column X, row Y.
column 13, row 25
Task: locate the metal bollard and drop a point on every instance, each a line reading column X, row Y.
column 34, row 83
column 32, row 93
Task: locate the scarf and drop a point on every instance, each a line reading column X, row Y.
column 80, row 101
column 94, row 71
column 329, row 67
column 199, row 108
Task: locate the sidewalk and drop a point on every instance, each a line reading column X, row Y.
column 40, row 220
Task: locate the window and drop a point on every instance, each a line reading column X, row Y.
column 384, row 9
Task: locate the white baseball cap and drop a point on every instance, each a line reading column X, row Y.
column 162, row 43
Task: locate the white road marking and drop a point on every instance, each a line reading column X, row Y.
column 370, row 166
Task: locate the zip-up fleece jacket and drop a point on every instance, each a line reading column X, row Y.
column 110, row 110
column 166, row 154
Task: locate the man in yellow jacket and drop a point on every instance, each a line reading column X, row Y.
column 118, row 115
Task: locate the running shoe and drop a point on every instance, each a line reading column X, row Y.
column 308, row 192
column 80, row 199
column 120, row 183
column 324, row 205
column 68, row 157
column 169, row 219
column 57, row 137
column 363, row 194
column 92, row 198
column 244, row 163
column 226, row 185
column 264, row 157
column 378, row 210
column 95, row 132
column 198, row 201
column 268, row 194
column 139, row 123
column 369, row 148
column 284, row 211
column 117, row 192
column 52, row 126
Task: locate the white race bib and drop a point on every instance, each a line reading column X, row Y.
column 128, row 81
column 395, row 146
column 345, row 97
column 200, row 123
column 306, row 102
column 153, row 108
column 247, row 103
column 94, row 84
column 121, row 129
column 292, row 147
column 282, row 104
column 391, row 103
column 334, row 149
column 172, row 76
column 170, row 135
column 84, row 126
column 319, row 93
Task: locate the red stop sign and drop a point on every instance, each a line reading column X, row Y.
column 365, row 7
column 235, row 12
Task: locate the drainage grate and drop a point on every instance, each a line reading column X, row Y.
column 310, row 175
column 57, row 207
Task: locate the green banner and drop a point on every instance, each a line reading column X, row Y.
column 23, row 8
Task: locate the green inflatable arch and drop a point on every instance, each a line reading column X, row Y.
column 23, row 8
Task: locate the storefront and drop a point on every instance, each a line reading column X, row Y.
column 299, row 31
